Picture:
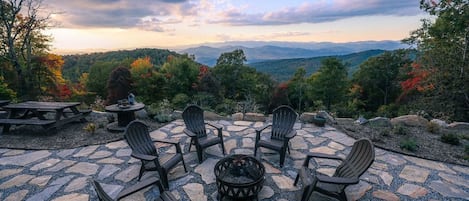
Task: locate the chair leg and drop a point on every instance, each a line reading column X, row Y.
column 223, row 148
column 282, row 157
column 199, row 154
column 190, row 144
column 184, row 164
column 296, row 179
column 164, row 179
column 255, row 149
column 142, row 169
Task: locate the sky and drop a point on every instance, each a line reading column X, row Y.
column 96, row 25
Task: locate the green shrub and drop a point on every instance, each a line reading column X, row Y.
column 450, row 138
column 387, row 110
column 399, row 130
column 408, row 144
column 433, row 127
column 161, row 111
column 180, row 101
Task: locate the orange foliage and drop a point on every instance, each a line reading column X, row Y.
column 416, row 78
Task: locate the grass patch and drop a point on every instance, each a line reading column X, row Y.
column 450, row 138
column 409, row 144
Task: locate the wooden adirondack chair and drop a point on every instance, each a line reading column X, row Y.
column 284, row 118
column 143, row 148
column 103, row 196
column 193, row 117
column 348, row 172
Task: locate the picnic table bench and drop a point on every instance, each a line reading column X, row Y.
column 34, row 113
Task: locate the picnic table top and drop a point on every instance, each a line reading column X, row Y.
column 41, row 105
column 4, row 102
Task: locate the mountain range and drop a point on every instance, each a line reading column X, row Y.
column 257, row 51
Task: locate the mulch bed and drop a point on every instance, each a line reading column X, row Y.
column 68, row 136
column 428, row 145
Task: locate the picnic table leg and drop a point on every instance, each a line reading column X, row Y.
column 124, row 118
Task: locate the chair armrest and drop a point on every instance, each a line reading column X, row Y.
column 173, row 142
column 263, row 128
column 326, row 156
column 337, row 180
column 319, row 155
column 291, row 134
column 189, row 133
column 143, row 156
column 167, row 141
column 214, row 125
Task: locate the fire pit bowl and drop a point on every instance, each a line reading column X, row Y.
column 239, row 177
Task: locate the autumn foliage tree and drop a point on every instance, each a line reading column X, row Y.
column 441, row 72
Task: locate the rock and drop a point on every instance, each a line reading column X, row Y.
column 330, row 119
column 254, row 117
column 380, row 122
column 459, row 126
column 410, row 120
column 141, row 114
column 307, row 117
column 439, row 122
column 212, row 116
column 361, row 120
column 177, row 114
column 237, row 116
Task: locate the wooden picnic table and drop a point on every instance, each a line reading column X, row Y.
column 34, row 113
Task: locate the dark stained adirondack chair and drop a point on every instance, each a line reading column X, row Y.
column 103, row 196
column 284, row 118
column 348, row 172
column 193, row 117
column 143, row 148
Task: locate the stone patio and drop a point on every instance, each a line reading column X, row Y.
column 61, row 175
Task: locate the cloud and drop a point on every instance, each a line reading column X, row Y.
column 118, row 13
column 319, row 11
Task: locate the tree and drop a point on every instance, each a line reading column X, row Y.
column 378, row 79
column 234, row 58
column 329, row 83
column 181, row 75
column 296, row 88
column 98, row 76
column 21, row 37
column 148, row 82
column 443, row 47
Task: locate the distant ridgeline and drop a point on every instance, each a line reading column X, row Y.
column 280, row 70
column 283, row 69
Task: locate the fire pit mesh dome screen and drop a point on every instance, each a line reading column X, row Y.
column 239, row 177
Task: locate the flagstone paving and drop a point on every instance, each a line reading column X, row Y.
column 62, row 175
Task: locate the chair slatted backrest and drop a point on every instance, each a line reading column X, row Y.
column 138, row 138
column 193, row 117
column 358, row 160
column 283, row 120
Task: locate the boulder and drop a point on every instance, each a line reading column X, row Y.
column 380, row 122
column 212, row 116
column 237, row 116
column 254, row 117
column 439, row 122
column 141, row 114
column 361, row 120
column 329, row 119
column 459, row 126
column 177, row 114
column 307, row 117
column 410, row 120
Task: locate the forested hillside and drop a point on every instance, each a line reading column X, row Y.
column 75, row 65
column 283, row 69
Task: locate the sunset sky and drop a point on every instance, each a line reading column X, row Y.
column 123, row 24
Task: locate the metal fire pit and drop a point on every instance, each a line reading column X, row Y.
column 239, row 177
